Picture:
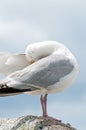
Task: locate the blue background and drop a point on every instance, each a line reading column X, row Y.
column 26, row 21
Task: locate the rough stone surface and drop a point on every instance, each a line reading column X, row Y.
column 33, row 123
column 7, row 123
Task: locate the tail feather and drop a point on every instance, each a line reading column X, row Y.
column 6, row 91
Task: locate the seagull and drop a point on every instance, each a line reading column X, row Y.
column 49, row 67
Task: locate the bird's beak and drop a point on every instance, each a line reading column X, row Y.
column 31, row 62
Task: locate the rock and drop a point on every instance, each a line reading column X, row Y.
column 7, row 123
column 33, row 123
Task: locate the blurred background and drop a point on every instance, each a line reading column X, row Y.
column 27, row 21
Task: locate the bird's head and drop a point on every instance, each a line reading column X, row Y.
column 39, row 50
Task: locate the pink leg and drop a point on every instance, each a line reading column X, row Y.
column 43, row 100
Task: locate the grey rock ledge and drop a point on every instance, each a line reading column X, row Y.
column 33, row 123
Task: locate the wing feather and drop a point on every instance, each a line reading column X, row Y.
column 42, row 73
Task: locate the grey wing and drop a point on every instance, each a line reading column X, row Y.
column 43, row 73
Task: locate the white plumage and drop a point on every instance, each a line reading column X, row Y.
column 47, row 67
column 10, row 63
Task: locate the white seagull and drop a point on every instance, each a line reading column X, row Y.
column 47, row 67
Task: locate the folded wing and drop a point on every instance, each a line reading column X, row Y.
column 40, row 75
